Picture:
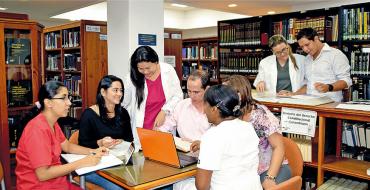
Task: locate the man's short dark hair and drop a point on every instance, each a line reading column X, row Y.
column 308, row 33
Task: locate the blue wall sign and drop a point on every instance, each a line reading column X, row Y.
column 147, row 39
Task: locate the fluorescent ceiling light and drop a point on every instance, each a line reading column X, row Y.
column 179, row 5
column 232, row 5
column 3, row 8
column 94, row 12
column 271, row 12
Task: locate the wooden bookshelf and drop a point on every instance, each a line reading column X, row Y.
column 331, row 163
column 76, row 54
column 19, row 78
column 200, row 53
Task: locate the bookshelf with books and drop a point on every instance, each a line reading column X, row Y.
column 336, row 163
column 20, row 81
column 243, row 43
column 76, row 54
column 199, row 53
column 356, row 45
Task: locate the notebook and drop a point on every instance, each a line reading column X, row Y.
column 105, row 162
column 160, row 146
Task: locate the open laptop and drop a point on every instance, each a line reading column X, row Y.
column 160, row 146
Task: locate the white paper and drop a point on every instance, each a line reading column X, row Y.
column 181, row 144
column 105, row 162
column 361, row 107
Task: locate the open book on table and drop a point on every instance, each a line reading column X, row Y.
column 182, row 145
column 105, row 162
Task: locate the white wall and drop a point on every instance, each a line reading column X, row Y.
column 200, row 32
column 196, row 18
column 126, row 19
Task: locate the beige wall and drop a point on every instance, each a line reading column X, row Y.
column 199, row 32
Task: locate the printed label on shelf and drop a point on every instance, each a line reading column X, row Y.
column 298, row 121
column 91, row 28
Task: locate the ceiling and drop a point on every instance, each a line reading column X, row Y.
column 42, row 10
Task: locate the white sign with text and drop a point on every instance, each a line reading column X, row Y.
column 298, row 121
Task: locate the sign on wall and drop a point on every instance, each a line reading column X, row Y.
column 147, row 39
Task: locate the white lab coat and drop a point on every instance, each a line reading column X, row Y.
column 172, row 91
column 267, row 72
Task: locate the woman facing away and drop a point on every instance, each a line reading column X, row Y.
column 152, row 90
column 281, row 72
column 228, row 157
column 273, row 169
column 42, row 141
column 106, row 123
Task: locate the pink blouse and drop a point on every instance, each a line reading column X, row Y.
column 154, row 102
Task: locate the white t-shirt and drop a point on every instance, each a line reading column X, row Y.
column 230, row 150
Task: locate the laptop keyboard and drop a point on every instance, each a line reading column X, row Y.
column 187, row 158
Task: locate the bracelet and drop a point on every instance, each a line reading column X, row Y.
column 272, row 178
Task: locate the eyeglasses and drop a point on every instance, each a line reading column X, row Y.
column 279, row 53
column 66, row 98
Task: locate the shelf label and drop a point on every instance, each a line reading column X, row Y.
column 103, row 37
column 91, row 28
column 170, row 59
column 147, row 39
column 298, row 121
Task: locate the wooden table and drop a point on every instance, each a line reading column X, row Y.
column 146, row 174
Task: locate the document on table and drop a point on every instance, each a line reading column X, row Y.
column 105, row 162
column 362, row 107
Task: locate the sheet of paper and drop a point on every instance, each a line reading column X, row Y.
column 182, row 145
column 106, row 161
column 361, row 107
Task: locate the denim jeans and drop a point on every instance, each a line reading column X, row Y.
column 101, row 181
column 283, row 175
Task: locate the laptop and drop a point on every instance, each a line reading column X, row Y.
column 160, row 146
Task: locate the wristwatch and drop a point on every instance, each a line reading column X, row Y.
column 272, row 178
column 331, row 87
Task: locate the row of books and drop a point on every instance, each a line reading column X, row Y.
column 360, row 89
column 356, row 24
column 73, row 83
column 240, row 34
column 70, row 38
column 342, row 183
column 52, row 40
column 72, row 62
column 208, row 52
column 240, row 62
column 75, row 112
column 204, row 52
column 53, row 62
column 356, row 134
column 304, row 143
column 290, row 27
column 360, row 63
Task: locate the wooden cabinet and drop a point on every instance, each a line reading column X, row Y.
column 19, row 79
column 332, row 163
column 76, row 54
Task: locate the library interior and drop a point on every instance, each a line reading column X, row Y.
column 131, row 94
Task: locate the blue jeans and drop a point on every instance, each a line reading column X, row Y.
column 283, row 175
column 101, row 181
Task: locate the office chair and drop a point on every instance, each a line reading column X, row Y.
column 90, row 186
column 294, row 157
column 2, row 177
